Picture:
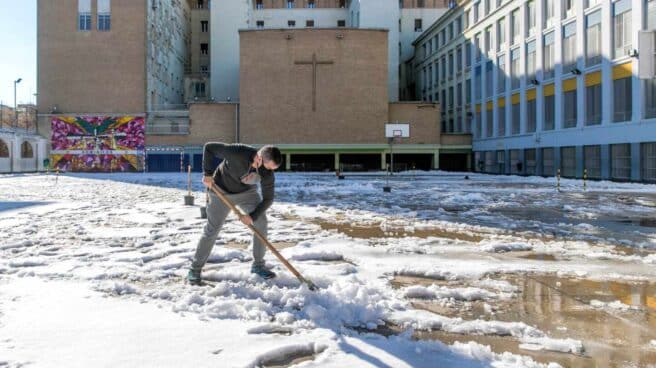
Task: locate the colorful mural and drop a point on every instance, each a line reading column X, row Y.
column 98, row 143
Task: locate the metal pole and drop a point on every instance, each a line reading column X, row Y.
column 15, row 110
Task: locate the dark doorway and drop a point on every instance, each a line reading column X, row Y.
column 312, row 162
column 359, row 162
column 453, row 161
column 411, row 161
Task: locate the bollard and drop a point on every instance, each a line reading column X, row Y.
column 585, row 179
column 558, row 180
column 189, row 199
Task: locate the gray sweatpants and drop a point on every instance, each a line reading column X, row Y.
column 216, row 215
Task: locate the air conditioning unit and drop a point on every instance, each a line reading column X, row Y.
column 647, row 59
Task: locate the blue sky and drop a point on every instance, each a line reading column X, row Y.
column 18, row 45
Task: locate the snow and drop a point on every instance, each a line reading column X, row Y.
column 91, row 270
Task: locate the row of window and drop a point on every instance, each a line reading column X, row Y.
column 619, row 162
column 104, row 22
column 292, row 23
column 291, row 4
column 26, row 150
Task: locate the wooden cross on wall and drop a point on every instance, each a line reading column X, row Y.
column 314, row 62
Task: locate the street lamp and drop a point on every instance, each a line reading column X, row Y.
column 15, row 109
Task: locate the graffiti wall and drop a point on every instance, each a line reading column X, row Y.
column 97, row 143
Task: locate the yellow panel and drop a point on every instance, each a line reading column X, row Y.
column 515, row 99
column 549, row 90
column 651, row 302
column 490, row 105
column 622, row 71
column 569, row 85
column 592, row 79
column 530, row 94
column 501, row 102
column 478, row 108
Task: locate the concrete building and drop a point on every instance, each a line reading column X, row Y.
column 545, row 86
column 404, row 20
column 197, row 71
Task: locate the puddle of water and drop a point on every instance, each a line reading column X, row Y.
column 561, row 308
column 376, row 231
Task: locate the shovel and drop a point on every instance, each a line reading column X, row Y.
column 264, row 240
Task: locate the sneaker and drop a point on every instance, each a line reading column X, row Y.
column 263, row 272
column 193, row 277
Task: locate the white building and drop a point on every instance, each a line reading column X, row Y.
column 404, row 19
column 545, row 85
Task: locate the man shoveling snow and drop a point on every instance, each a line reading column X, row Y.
column 237, row 176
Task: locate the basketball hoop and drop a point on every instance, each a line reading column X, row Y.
column 397, row 133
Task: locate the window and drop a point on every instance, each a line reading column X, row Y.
column 477, row 46
column 458, row 25
column 204, row 69
column 104, row 22
column 260, row 24
column 200, row 4
column 501, row 34
column 592, row 161
column 651, row 14
column 514, row 68
column 530, row 18
column 477, row 83
column 204, row 48
column 259, row 4
column 451, row 65
column 593, row 39
column 418, row 27
column 621, row 28
column 548, row 162
column 468, row 56
column 569, row 47
column 501, row 78
column 531, row 164
column 310, row 4
column 548, row 12
column 477, row 11
column 530, row 61
column 341, row 23
column 515, row 25
column 489, row 66
column 420, row 3
column 443, row 70
column 569, row 8
column 488, row 40
column 622, row 101
column 468, row 90
column 650, row 98
column 490, row 162
column 593, row 105
column 501, row 120
column 459, row 60
column 200, row 89
column 467, row 17
column 569, row 109
column 290, row 4
column 531, row 115
column 459, row 95
column 515, row 118
column 4, row 149
column 309, row 23
column 84, row 15
column 450, row 31
column 204, row 26
column 515, row 163
column 620, row 163
column 649, row 161
column 104, row 15
column 26, row 150
column 84, row 22
column 291, row 23
column 549, row 112
column 568, row 162
column 489, row 122
column 548, row 56
column 501, row 161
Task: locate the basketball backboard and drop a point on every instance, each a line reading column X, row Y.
column 397, row 130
